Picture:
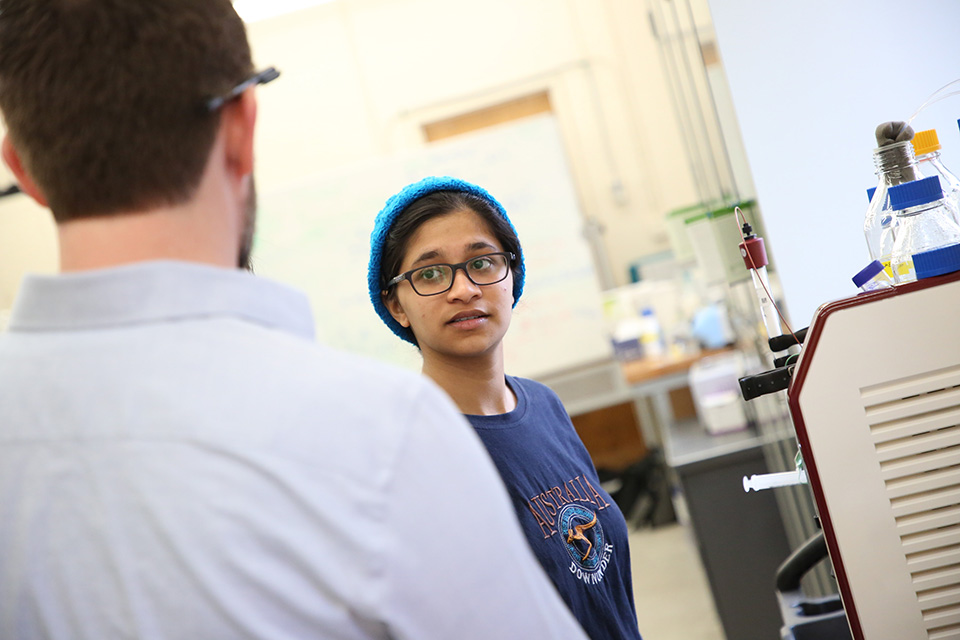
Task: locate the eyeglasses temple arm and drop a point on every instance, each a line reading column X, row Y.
column 267, row 75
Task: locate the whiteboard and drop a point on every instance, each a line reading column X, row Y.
column 315, row 236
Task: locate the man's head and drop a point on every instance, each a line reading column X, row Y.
column 103, row 99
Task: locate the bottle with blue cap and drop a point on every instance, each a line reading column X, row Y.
column 872, row 277
column 651, row 338
column 895, row 164
column 924, row 223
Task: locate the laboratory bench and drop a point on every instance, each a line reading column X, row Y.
column 620, row 407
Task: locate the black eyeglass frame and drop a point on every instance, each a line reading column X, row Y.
column 261, row 77
column 460, row 266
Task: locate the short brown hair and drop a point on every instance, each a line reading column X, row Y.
column 103, row 98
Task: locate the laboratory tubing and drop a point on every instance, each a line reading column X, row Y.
column 872, row 277
column 923, row 223
column 926, row 146
column 896, row 164
column 755, row 258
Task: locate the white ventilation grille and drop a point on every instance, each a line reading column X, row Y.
column 915, row 426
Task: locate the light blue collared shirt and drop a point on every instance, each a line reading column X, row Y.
column 179, row 459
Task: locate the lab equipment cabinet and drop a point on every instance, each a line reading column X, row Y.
column 740, row 537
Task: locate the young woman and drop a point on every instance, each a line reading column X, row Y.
column 446, row 270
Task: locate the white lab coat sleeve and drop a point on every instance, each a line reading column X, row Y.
column 455, row 562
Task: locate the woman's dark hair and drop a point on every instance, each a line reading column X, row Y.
column 437, row 204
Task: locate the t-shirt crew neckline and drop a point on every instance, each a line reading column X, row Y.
column 504, row 420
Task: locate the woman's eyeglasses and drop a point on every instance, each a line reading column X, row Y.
column 435, row 279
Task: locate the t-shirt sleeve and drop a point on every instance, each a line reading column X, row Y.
column 455, row 563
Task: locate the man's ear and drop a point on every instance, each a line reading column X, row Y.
column 27, row 185
column 239, row 119
column 396, row 310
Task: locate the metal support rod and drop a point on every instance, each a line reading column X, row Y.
column 713, row 104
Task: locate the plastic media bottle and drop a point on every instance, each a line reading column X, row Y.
column 924, row 223
column 651, row 338
column 926, row 146
column 896, row 164
column 872, row 277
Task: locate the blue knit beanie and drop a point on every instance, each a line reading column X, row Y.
column 392, row 210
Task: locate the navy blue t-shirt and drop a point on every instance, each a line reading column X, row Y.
column 575, row 528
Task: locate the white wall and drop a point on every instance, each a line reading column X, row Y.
column 360, row 77
column 810, row 82
column 27, row 241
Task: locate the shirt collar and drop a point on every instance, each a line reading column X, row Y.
column 152, row 292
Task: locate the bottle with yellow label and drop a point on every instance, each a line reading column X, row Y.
column 924, row 222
